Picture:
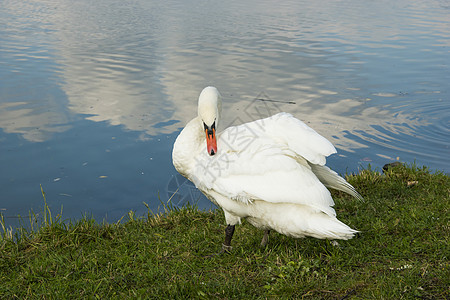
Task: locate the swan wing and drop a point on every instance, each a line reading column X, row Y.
column 267, row 160
column 299, row 137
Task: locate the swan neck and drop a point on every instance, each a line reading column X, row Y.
column 187, row 145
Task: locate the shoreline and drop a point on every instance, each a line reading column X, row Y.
column 401, row 252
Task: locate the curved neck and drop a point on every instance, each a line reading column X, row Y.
column 188, row 143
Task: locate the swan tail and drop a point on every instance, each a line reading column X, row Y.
column 300, row 221
column 330, row 228
column 331, row 179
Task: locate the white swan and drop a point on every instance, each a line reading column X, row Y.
column 271, row 171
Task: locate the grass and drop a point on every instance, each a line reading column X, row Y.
column 402, row 252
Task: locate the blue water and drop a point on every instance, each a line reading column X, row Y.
column 94, row 93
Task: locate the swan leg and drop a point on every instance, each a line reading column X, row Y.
column 265, row 238
column 229, row 231
column 226, row 246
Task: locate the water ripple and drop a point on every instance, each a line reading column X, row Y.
column 94, row 88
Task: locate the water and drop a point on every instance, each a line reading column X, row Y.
column 94, row 93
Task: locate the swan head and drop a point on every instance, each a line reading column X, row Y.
column 209, row 110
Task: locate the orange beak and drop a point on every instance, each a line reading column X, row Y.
column 211, row 143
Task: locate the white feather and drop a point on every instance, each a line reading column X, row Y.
column 270, row 171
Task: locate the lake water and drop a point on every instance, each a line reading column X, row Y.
column 94, row 93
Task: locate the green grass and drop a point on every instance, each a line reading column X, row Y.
column 402, row 252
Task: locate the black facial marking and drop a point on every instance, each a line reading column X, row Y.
column 209, row 130
column 213, row 126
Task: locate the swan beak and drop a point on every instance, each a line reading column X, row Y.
column 211, row 143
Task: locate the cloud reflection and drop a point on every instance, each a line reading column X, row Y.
column 126, row 65
column 33, row 126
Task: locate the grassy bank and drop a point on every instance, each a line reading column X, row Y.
column 402, row 253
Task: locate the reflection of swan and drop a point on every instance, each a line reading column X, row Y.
column 270, row 171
